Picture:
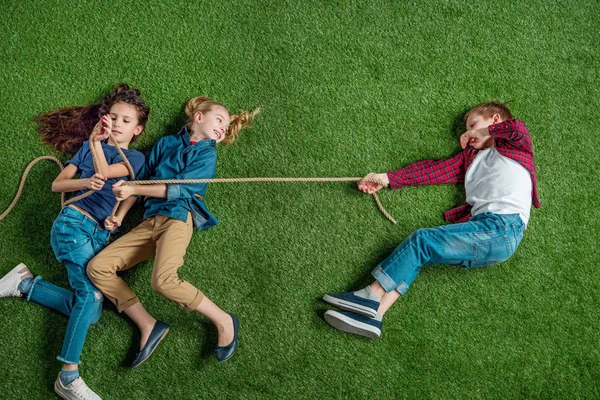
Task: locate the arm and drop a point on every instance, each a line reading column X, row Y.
column 430, row 172
column 101, row 132
column 427, row 172
column 111, row 223
column 123, row 192
column 512, row 133
column 65, row 182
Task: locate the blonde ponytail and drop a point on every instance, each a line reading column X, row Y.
column 238, row 122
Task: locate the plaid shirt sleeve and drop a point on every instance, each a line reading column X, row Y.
column 512, row 140
column 429, row 172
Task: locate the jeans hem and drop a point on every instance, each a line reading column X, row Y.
column 59, row 358
column 37, row 278
column 387, row 283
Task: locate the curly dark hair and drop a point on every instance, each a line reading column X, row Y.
column 66, row 129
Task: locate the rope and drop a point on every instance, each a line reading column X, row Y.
column 24, row 177
column 93, row 149
column 64, row 203
column 368, row 178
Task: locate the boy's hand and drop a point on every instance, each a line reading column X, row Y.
column 111, row 223
column 96, row 182
column 373, row 182
column 478, row 139
column 122, row 191
column 103, row 128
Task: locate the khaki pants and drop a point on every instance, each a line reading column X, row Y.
column 164, row 238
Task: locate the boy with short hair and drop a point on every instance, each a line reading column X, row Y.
column 498, row 170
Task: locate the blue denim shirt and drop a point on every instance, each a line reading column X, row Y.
column 173, row 157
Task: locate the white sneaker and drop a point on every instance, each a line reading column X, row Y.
column 9, row 284
column 76, row 390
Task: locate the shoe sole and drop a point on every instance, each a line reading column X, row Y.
column 348, row 325
column 58, row 391
column 155, row 347
column 349, row 306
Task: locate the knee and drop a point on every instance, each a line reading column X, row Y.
column 163, row 284
column 95, row 271
column 92, row 298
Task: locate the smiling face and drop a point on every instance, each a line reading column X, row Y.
column 124, row 123
column 212, row 124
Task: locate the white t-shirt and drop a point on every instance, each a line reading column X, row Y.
column 498, row 184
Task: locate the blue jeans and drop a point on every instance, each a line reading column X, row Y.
column 485, row 239
column 75, row 239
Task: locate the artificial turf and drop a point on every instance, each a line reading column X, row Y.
column 346, row 88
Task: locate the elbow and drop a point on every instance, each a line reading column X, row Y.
column 55, row 187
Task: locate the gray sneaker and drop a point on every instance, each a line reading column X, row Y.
column 9, row 284
column 76, row 390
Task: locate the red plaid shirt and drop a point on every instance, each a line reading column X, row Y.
column 511, row 139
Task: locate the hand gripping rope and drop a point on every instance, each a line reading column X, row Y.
column 368, row 178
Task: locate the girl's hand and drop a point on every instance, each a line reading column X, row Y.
column 96, row 182
column 112, row 223
column 103, row 128
column 122, row 191
column 478, row 139
column 373, row 182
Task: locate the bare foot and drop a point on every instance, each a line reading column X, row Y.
column 145, row 334
column 225, row 331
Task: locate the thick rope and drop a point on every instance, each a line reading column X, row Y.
column 368, row 178
column 93, row 149
column 24, row 177
column 64, row 203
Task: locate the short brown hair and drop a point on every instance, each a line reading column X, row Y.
column 489, row 108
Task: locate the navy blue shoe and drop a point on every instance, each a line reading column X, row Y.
column 354, row 323
column 354, row 303
column 225, row 352
column 156, row 336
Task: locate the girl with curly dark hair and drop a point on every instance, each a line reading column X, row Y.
column 81, row 230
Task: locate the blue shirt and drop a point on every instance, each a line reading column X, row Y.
column 173, row 157
column 101, row 203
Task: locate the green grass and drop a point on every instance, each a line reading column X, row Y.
column 346, row 88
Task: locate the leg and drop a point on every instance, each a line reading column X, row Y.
column 127, row 251
column 75, row 239
column 484, row 240
column 171, row 244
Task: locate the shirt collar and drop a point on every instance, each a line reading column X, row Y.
column 185, row 137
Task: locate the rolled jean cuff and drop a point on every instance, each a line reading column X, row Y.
column 37, row 278
column 196, row 302
column 122, row 307
column 387, row 283
column 59, row 358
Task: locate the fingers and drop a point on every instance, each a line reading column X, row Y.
column 97, row 182
column 369, row 187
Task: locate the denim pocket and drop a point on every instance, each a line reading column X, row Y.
column 70, row 217
column 491, row 251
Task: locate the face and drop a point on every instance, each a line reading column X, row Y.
column 478, row 121
column 124, row 123
column 212, row 124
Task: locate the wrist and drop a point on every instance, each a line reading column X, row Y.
column 385, row 181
